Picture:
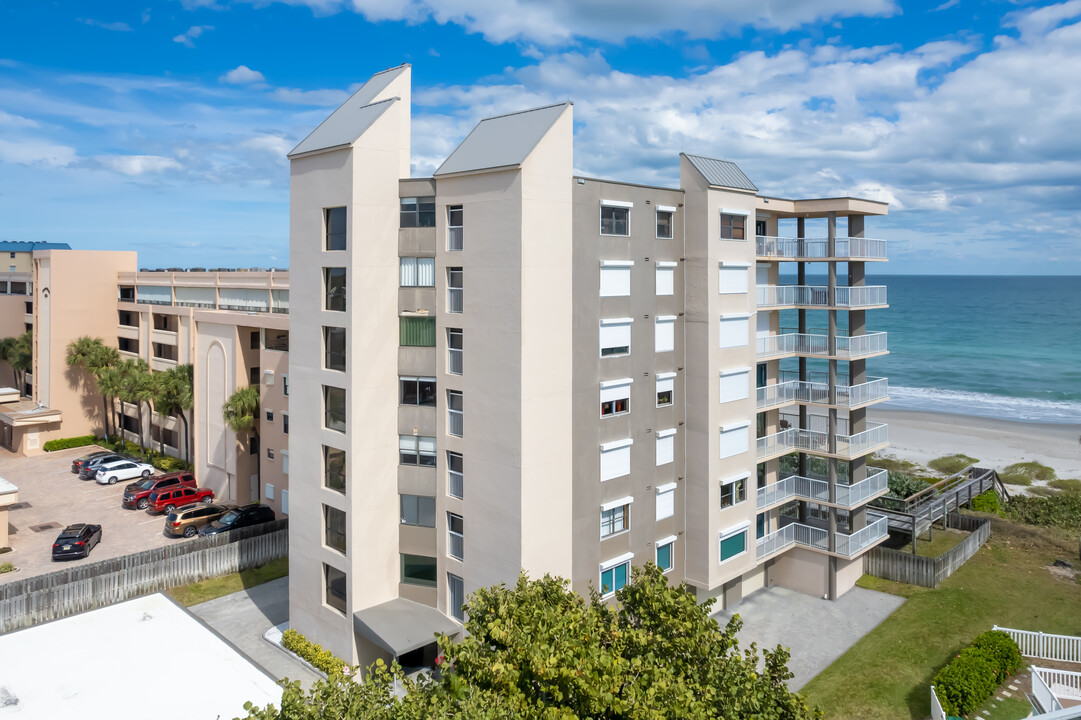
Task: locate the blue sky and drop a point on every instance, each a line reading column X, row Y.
column 163, row 126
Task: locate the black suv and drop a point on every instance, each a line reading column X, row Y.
column 243, row 516
column 90, row 468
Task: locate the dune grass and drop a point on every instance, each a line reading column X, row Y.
column 1066, row 485
column 1006, row 583
column 950, row 464
column 897, row 465
column 1025, row 473
column 188, row 595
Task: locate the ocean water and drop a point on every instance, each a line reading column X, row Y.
column 1003, row 347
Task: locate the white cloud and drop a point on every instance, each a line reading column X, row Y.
column 36, row 152
column 137, row 165
column 114, row 26
column 16, row 121
column 242, row 75
column 187, row 38
column 322, row 98
column 274, row 145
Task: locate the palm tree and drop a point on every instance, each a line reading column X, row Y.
column 183, row 392
column 146, row 391
column 111, row 385
column 19, row 354
column 241, row 414
column 174, row 393
column 94, row 356
column 132, row 377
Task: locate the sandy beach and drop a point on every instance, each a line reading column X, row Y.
column 924, row 436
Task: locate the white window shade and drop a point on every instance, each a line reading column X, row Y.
column 615, row 459
column 407, row 272
column 735, row 439
column 616, row 278
column 666, row 384
column 666, row 278
column 666, row 446
column 617, row 503
column 666, row 501
column 733, row 279
column 280, row 299
column 244, row 298
column 153, row 294
column 426, row 444
column 665, row 337
column 735, row 385
column 615, row 334
column 426, row 272
column 196, row 296
column 616, row 390
column 734, row 331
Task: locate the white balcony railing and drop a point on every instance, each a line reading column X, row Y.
column 816, row 441
column 851, row 545
column 818, row 296
column 775, row 541
column 857, row 346
column 851, row 446
column 861, row 296
column 818, row 248
column 793, row 343
column 818, row 490
column 780, row 443
column 795, row 533
column 851, row 496
column 790, row 391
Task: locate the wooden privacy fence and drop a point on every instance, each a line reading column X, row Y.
column 38, row 599
column 929, row 572
column 1045, row 646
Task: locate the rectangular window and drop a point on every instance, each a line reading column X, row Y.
column 666, row 278
column 664, row 554
column 285, row 423
column 334, row 528
column 666, row 501
column 455, row 419
column 416, row 271
column 417, row 391
column 455, row 475
column 416, row 450
column 455, row 223
column 334, row 283
column 334, row 348
column 615, row 459
column 416, row 331
column 666, row 446
column 732, row 279
column 417, row 212
column 456, row 597
column 334, row 408
column 253, row 376
column 761, row 375
column 614, row 577
column 615, row 519
column 734, row 331
column 733, row 227
column 761, row 525
column 733, row 544
column 455, row 536
column 666, row 388
column 268, row 490
column 665, row 217
column 334, row 587
column 735, row 439
column 615, row 397
column 285, row 385
column 665, row 333
column 334, row 469
column 616, row 278
column 418, row 510
column 733, row 491
column 615, row 220
column 455, row 290
column 418, row 570
column 735, row 384
column 285, row 502
column 270, row 415
column 615, row 337
column 285, row 462
column 454, row 351
column 334, row 220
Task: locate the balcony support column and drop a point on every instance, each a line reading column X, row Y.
column 857, row 373
column 801, row 279
column 831, row 429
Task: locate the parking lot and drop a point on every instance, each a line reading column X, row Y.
column 51, row 497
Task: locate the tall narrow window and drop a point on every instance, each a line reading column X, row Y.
column 454, row 351
column 334, row 219
column 666, row 446
column 455, row 475
column 666, row 386
column 665, row 333
column 334, row 408
column 455, row 536
column 455, row 419
column 334, row 528
column 456, row 597
column 334, row 282
column 664, row 223
column 334, row 585
column 455, row 218
column 334, row 348
column 666, row 501
column 454, row 290
column 664, row 553
column 733, row 227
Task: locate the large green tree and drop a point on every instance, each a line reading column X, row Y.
column 241, row 415
column 134, row 379
column 540, row 651
column 95, row 357
column 19, row 353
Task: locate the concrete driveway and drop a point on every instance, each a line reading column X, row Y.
column 816, row 631
column 51, row 498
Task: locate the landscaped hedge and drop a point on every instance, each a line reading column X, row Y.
column 165, row 463
column 972, row 677
column 312, row 652
column 65, row 443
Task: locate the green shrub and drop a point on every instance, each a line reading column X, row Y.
column 987, row 502
column 902, row 485
column 1062, row 510
column 1066, row 485
column 6, row 568
column 951, row 464
column 168, row 463
column 5, row 549
column 972, row 677
column 65, row 443
column 1024, row 473
column 1002, row 650
column 313, row 653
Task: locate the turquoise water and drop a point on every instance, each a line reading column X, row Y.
column 1005, row 347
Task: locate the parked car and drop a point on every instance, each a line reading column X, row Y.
column 171, row 498
column 77, row 463
column 89, row 470
column 76, row 541
column 243, row 516
column 186, row 521
column 111, row 473
column 137, row 495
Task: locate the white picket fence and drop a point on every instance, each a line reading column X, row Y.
column 38, row 599
column 1046, row 646
column 937, row 713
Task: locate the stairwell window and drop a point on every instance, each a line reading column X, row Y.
column 334, row 528
column 334, row 285
column 416, row 271
column 455, row 475
column 455, row 536
column 733, row 227
column 418, row 510
column 616, row 217
column 417, row 212
column 334, row 408
column 455, row 417
column 334, row 469
column 456, row 597
column 334, row 586
column 334, row 348
column 334, row 225
column 455, row 227
column 454, row 290
column 454, row 351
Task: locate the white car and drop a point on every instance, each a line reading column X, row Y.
column 109, row 473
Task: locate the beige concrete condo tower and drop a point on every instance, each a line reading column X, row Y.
column 506, row 366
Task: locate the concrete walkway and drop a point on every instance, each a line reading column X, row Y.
column 816, row 631
column 243, row 617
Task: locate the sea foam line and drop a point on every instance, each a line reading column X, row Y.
column 962, row 402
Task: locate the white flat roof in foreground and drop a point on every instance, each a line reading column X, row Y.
column 141, row 658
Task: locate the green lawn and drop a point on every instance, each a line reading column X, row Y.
column 941, row 541
column 1011, row 708
column 888, row 672
column 188, row 595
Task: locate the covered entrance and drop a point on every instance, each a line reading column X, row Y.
column 405, row 630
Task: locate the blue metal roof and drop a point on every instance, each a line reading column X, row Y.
column 17, row 246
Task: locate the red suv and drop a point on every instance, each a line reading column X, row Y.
column 137, row 495
column 170, row 499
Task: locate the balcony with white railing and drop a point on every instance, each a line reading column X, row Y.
column 877, row 528
column 815, row 538
column 816, row 441
column 771, row 446
column 817, row 393
column 845, row 248
column 817, row 345
column 815, row 489
column 817, row 296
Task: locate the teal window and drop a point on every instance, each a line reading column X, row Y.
column 614, row 578
column 664, row 556
column 732, row 545
column 418, row 570
column 416, row 331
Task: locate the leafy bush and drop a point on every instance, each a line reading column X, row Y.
column 313, row 653
column 971, row 677
column 951, row 464
column 168, row 463
column 902, row 485
column 1023, row 473
column 65, row 443
column 1062, row 510
column 987, row 502
column 6, row 568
